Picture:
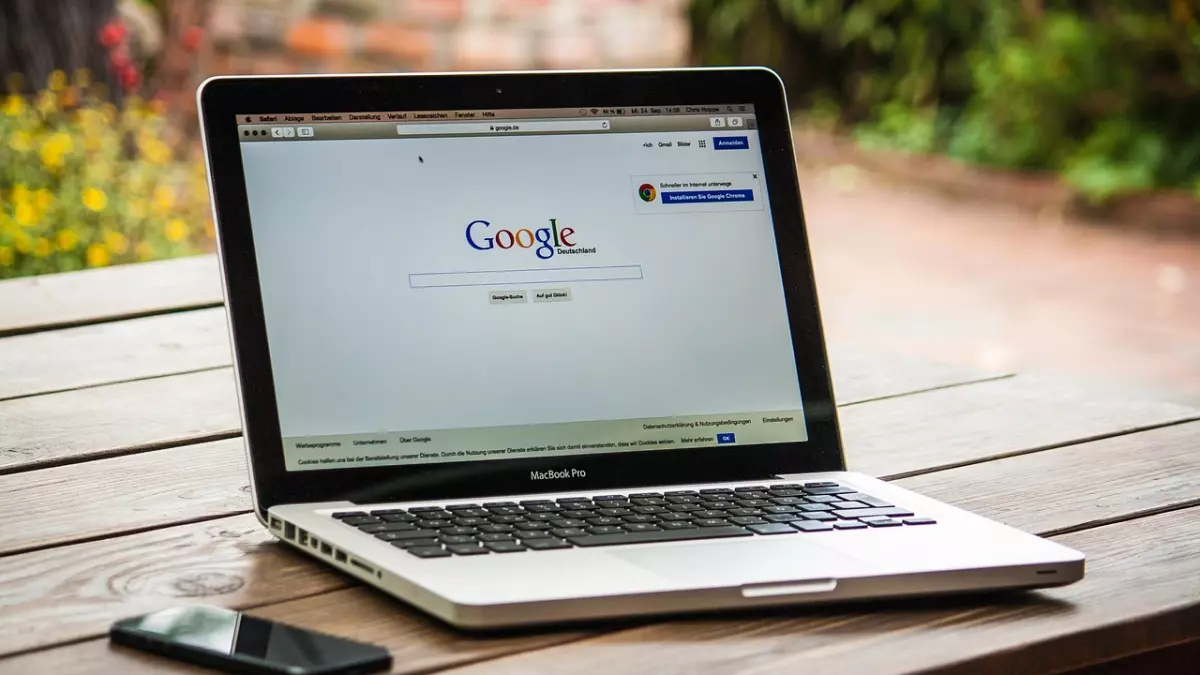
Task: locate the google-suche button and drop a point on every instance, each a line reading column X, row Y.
column 731, row 143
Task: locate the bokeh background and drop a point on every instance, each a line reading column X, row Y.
column 1010, row 185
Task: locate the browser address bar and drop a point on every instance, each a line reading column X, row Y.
column 500, row 127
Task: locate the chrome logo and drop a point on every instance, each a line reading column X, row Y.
column 647, row 192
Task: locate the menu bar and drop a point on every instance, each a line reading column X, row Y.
column 467, row 115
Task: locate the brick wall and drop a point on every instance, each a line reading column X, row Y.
column 290, row 36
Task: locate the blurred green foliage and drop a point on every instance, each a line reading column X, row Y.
column 1104, row 92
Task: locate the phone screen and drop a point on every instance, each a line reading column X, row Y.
column 273, row 647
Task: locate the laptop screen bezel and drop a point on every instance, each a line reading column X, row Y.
column 222, row 98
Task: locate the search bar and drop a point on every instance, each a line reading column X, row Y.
column 553, row 275
column 500, row 127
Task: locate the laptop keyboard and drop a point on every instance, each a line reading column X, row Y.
column 636, row 518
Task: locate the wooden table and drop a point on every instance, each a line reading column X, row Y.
column 123, row 490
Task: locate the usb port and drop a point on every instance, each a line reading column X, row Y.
column 303, row 538
column 326, row 549
column 339, row 556
column 289, row 531
column 362, row 566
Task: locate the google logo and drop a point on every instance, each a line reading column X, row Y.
column 544, row 238
column 647, row 192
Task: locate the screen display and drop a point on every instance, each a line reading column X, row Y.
column 449, row 286
column 226, row 632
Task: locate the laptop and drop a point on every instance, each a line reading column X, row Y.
column 538, row 347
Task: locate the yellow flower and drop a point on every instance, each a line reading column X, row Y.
column 21, row 141
column 137, row 208
column 6, row 256
column 25, row 214
column 45, row 103
column 57, row 80
column 20, row 193
column 144, row 251
column 67, row 240
column 23, row 242
column 164, row 198
column 154, row 150
column 54, row 149
column 175, row 229
column 94, row 199
column 14, row 105
column 116, row 242
column 42, row 247
column 97, row 256
column 43, row 198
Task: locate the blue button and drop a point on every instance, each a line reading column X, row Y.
column 707, row 196
column 731, row 143
column 726, row 438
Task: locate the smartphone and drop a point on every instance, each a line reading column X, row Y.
column 237, row 643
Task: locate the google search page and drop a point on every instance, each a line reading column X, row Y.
column 437, row 299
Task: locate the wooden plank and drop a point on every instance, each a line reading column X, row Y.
column 30, row 623
column 119, row 351
column 113, row 496
column 76, row 298
column 1112, row 478
column 862, row 373
column 1134, row 576
column 949, row 427
column 117, row 419
column 1142, row 591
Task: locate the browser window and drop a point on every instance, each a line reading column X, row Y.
column 450, row 286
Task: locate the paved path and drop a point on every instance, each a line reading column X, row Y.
column 995, row 286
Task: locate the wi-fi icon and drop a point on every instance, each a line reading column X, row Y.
column 595, row 110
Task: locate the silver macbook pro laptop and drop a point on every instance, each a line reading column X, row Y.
column 533, row 347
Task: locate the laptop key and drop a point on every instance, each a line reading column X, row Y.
column 677, row 525
column 919, row 521
column 494, row 536
column 542, row 508
column 429, row 552
column 372, row 528
column 493, row 529
column 533, row 526
column 387, row 512
column 490, row 505
column 528, row 535
column 719, row 505
column 605, row 520
column 614, row 512
column 820, row 516
column 640, row 527
column 747, row 520
column 884, row 522
column 648, row 501
column 649, row 509
column 849, row 525
column 684, row 508
column 752, row 503
column 717, row 514
column 410, row 543
column 680, row 493
column 507, row 519
column 609, row 498
column 815, row 507
column 850, row 505
column 413, row 534
column 505, row 510
column 466, row 549
column 716, row 491
column 740, row 512
column 659, row 535
column 568, row 531
column 546, row 544
column 347, row 514
column 823, row 499
column 399, row 518
column 568, row 522
column 780, row 509
column 390, row 536
column 536, row 502
column 643, row 495
column 355, row 521
column 641, row 518
column 604, row 529
column 472, row 513
column 890, row 511
column 783, row 517
column 471, row 522
column 772, row 528
column 666, row 517
column 458, row 531
column 577, row 513
column 423, row 509
column 811, row 526
column 827, row 490
column 434, row 524
column 750, row 488
column 461, row 507
column 710, row 522
column 820, row 484
column 866, row 499
column 459, row 539
column 504, row 546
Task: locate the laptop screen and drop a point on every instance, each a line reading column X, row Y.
column 448, row 286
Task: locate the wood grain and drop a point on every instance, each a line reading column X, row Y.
column 78, row 298
column 1142, row 591
column 949, row 427
column 72, row 592
column 116, row 419
column 990, row 493
column 122, row 495
column 119, row 351
column 1077, row 486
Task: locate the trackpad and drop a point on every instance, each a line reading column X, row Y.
column 745, row 561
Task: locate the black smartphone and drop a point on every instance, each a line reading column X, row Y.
column 237, row 643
